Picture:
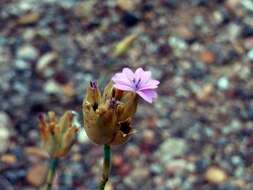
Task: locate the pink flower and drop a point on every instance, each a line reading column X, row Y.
column 139, row 82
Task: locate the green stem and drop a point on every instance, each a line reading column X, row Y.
column 51, row 172
column 106, row 166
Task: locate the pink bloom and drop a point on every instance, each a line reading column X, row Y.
column 139, row 82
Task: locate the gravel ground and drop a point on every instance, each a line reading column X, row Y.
column 196, row 136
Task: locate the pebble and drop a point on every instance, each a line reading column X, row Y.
column 8, row 159
column 207, row 57
column 117, row 160
column 84, row 9
column 248, row 5
column 139, row 173
column 52, row 87
column 223, row 83
column 250, row 55
column 20, row 64
column 132, row 151
column 149, row 137
column 36, row 174
column 45, row 60
column 36, row 152
column 178, row 166
column 205, row 93
column 178, row 45
column 247, row 112
column 170, row 148
column 247, row 31
column 27, row 52
column 29, row 18
column 215, row 175
column 130, row 19
column 126, row 5
column 4, row 131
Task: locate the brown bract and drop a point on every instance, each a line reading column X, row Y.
column 107, row 118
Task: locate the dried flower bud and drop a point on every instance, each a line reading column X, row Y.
column 58, row 135
column 104, row 117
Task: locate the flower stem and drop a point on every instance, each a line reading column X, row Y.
column 106, row 166
column 51, row 172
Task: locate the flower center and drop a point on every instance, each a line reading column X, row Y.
column 136, row 83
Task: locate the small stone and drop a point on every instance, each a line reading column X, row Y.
column 126, row 5
column 45, row 60
column 247, row 31
column 21, row 64
column 84, row 9
column 8, row 159
column 139, row 173
column 250, row 55
column 149, row 137
column 178, row 45
column 232, row 4
column 207, row 57
column 27, row 52
column 176, row 166
column 205, row 93
column 171, row 148
column 36, row 174
column 221, row 16
column 132, row 151
column 36, row 152
column 215, row 175
column 201, row 165
column 4, row 131
column 223, row 83
column 247, row 112
column 248, row 5
column 69, row 90
column 129, row 19
column 29, row 18
column 117, row 160
column 52, row 87
column 184, row 33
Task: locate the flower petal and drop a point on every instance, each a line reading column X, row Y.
column 123, row 87
column 128, row 73
column 146, row 77
column 122, row 79
column 151, row 84
column 147, row 95
column 139, row 73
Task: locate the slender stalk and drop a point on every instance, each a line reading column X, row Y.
column 51, row 173
column 106, row 166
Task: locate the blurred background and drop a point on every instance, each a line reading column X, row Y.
column 198, row 135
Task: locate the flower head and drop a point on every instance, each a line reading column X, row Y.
column 139, row 82
column 58, row 135
column 107, row 117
